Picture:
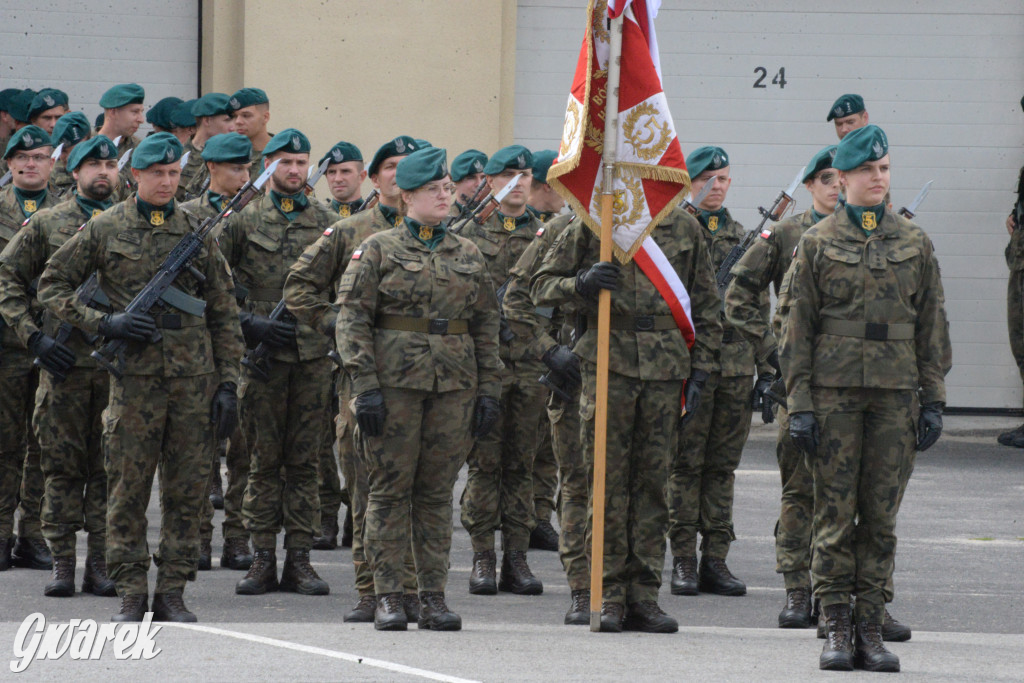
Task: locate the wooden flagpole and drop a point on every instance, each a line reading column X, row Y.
column 604, row 307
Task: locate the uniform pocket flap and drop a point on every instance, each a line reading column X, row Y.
column 836, row 251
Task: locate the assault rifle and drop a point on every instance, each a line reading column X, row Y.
column 909, row 212
column 482, row 211
column 369, row 202
column 692, row 206
column 470, row 203
column 90, row 294
column 257, row 359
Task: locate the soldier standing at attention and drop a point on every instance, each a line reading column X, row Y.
column 227, row 161
column 28, row 156
column 214, row 116
column 283, row 413
column 345, row 175
column 70, row 130
column 159, row 115
column 863, row 350
column 1015, row 295
column 252, row 114
column 47, row 106
column 177, row 396
column 123, row 114
column 418, row 333
column 848, row 114
column 183, row 124
column 67, row 413
column 467, row 174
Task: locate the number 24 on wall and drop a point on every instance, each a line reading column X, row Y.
column 779, row 79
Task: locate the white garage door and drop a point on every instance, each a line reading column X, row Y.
column 83, row 48
column 943, row 78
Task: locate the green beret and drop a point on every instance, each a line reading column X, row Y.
column 27, row 138
column 122, row 95
column 47, row 98
column 20, row 104
column 246, row 97
column 864, row 144
column 228, row 147
column 819, row 162
column 423, row 144
column 341, row 152
column 99, row 147
column 469, row 162
column 212, row 104
column 5, row 97
column 160, row 113
column 515, row 157
column 288, row 140
column 846, row 105
column 706, row 159
column 421, row 167
column 542, row 162
column 71, row 128
column 158, row 148
column 99, row 120
column 181, row 115
column 401, row 146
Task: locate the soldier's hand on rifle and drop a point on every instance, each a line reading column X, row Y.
column 692, row 391
column 565, row 363
column 929, row 425
column 601, row 275
column 124, row 325
column 260, row 328
column 224, row 410
column 485, row 415
column 54, row 356
column 370, row 412
column 758, row 400
column 803, row 429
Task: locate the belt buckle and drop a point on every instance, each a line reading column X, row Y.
column 439, row 326
column 876, row 331
column 644, row 323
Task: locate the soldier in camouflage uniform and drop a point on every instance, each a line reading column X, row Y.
column 183, row 124
column 214, row 116
column 499, row 485
column 227, row 160
column 28, row 155
column 159, row 115
column 863, row 351
column 648, row 366
column 47, row 107
column 122, row 115
column 283, row 403
column 311, row 280
column 176, row 395
column 1015, row 296
column 417, row 331
column 701, row 487
column 467, row 171
column 70, row 130
column 345, row 175
column 848, row 113
column 67, row 414
column 251, row 107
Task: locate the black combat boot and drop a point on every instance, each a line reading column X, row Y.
column 236, row 553
column 684, row 575
column 647, row 617
column 544, row 537
column 390, row 614
column 205, row 563
column 329, row 539
column 63, row 583
column 133, row 608
column 516, row 576
column 346, row 529
column 870, row 653
column 482, row 579
column 612, row 616
column 171, row 607
column 579, row 608
column 837, row 653
column 435, row 615
column 5, row 553
column 893, row 631
column 715, row 577
column 262, row 575
column 362, row 613
column 411, row 605
column 797, row 612
column 216, row 490
column 96, row 580
column 298, row 575
column 1014, row 437
column 31, row 553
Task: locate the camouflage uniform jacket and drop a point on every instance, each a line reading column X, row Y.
column 192, row 175
column 1015, row 248
column 393, row 273
column 891, row 277
column 62, row 183
column 260, row 245
column 126, row 251
column 645, row 355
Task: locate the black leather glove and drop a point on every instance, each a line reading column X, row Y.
column 929, row 425
column 759, row 402
column 692, row 390
column 56, row 358
column 773, row 360
column 133, row 326
column 803, row 429
column 601, row 275
column 224, row 410
column 370, row 412
column 485, row 415
column 260, row 328
column 562, row 361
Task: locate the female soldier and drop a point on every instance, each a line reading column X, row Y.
column 418, row 335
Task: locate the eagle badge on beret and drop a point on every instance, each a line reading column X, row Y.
column 337, row 155
column 296, row 143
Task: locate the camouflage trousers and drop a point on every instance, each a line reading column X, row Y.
column 332, row 493
column 412, row 471
column 156, row 425
column 284, row 422
column 643, row 428
column 67, row 423
column 573, row 491
column 864, row 461
column 1015, row 317
column 703, row 472
column 499, row 486
column 796, row 512
column 21, row 476
column 236, row 460
column 545, row 473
